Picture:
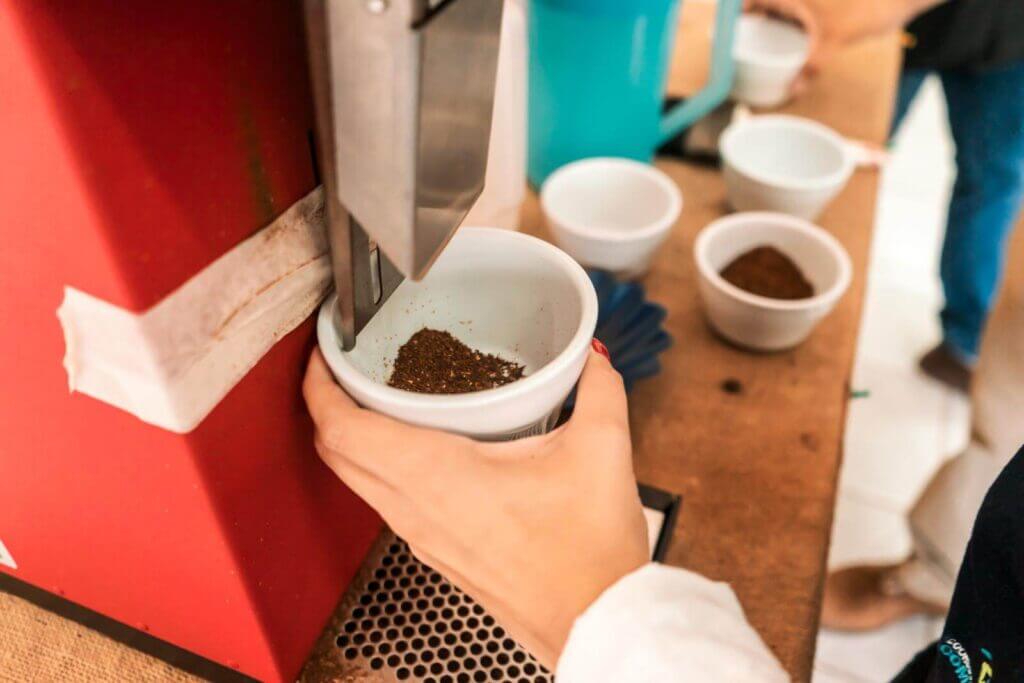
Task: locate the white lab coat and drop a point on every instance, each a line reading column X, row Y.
column 660, row 625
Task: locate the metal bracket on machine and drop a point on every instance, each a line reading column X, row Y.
column 404, row 91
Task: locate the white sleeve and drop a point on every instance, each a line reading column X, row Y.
column 664, row 624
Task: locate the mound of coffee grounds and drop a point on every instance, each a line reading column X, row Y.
column 768, row 272
column 434, row 362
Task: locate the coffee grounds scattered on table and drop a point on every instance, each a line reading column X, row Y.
column 768, row 272
column 435, row 362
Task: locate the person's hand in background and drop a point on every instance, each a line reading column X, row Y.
column 804, row 16
column 534, row 530
column 832, row 25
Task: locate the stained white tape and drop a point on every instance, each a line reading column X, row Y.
column 6, row 559
column 171, row 365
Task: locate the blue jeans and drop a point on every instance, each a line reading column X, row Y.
column 986, row 115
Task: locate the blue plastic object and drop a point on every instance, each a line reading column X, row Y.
column 597, row 79
column 631, row 328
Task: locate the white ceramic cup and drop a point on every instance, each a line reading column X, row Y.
column 611, row 213
column 783, row 163
column 757, row 322
column 496, row 291
column 769, row 54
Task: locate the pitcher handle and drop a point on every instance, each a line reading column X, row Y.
column 719, row 80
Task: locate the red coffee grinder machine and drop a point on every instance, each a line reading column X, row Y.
column 139, row 143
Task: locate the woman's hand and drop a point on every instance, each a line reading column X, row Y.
column 533, row 529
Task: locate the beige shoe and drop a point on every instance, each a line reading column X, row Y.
column 868, row 598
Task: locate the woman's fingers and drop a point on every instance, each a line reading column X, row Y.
column 401, row 457
column 324, row 397
column 345, row 426
column 368, row 486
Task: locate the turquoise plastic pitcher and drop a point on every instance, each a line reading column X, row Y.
column 597, row 79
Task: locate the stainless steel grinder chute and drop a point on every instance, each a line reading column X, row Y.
column 404, row 91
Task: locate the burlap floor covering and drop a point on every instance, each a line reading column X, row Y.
column 37, row 646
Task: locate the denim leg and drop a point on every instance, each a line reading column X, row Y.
column 986, row 114
column 910, row 83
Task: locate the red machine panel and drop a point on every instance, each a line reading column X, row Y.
column 138, row 143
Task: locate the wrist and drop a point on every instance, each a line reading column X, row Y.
column 589, row 590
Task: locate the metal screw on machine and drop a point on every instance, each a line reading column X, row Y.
column 404, row 94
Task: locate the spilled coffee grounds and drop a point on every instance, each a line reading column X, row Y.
column 766, row 271
column 434, row 362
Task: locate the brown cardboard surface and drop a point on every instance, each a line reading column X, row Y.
column 757, row 470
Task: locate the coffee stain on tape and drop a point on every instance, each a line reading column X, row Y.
column 172, row 364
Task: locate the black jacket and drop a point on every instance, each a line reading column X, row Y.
column 968, row 35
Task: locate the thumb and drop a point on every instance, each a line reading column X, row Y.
column 601, row 396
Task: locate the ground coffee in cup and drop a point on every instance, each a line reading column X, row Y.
column 766, row 271
column 435, row 362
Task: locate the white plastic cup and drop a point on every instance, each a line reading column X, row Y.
column 769, row 55
column 497, row 291
column 611, row 213
column 783, row 163
column 757, row 322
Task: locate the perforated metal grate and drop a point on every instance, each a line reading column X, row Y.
column 412, row 624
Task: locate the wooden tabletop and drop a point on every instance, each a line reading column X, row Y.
column 757, row 468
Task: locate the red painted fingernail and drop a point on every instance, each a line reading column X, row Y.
column 600, row 348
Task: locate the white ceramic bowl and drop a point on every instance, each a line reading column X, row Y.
column 757, row 322
column 497, row 291
column 611, row 213
column 768, row 54
column 783, row 163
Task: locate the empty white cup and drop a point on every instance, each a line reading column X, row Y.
column 757, row 322
column 611, row 213
column 769, row 54
column 783, row 163
column 496, row 291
